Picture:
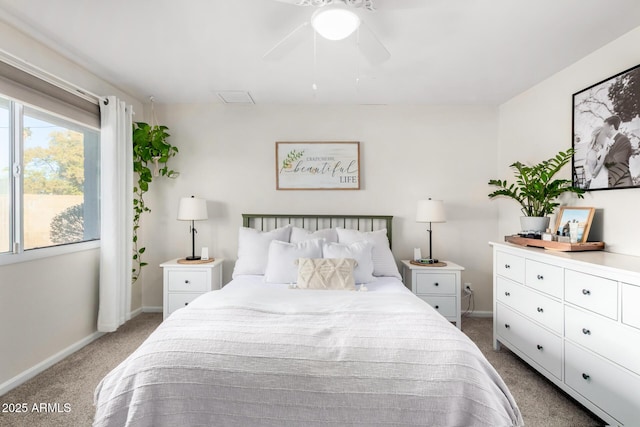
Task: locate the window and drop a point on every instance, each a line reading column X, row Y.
column 49, row 179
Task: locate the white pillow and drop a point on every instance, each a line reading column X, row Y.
column 384, row 264
column 281, row 262
column 360, row 251
column 326, row 273
column 253, row 249
column 299, row 234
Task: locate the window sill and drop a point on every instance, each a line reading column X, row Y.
column 35, row 254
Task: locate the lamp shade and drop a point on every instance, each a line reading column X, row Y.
column 430, row 211
column 334, row 23
column 192, row 209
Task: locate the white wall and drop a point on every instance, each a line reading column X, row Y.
column 48, row 305
column 227, row 155
column 537, row 124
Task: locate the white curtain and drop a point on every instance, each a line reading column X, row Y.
column 116, row 213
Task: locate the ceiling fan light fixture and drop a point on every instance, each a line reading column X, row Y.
column 334, row 23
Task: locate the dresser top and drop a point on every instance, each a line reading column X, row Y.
column 627, row 263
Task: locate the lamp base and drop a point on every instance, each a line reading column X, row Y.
column 192, row 258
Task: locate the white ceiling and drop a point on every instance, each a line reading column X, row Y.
column 442, row 51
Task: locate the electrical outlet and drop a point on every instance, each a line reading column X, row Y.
column 468, row 288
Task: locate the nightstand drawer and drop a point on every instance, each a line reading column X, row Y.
column 447, row 306
column 545, row 278
column 187, row 280
column 435, row 283
column 510, row 266
column 592, row 292
column 177, row 301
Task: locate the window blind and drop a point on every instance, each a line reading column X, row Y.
column 30, row 89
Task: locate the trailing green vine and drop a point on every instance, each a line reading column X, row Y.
column 150, row 149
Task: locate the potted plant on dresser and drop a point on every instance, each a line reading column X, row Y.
column 536, row 191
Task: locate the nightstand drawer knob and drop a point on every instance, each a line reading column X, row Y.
column 507, row 266
column 540, row 310
column 586, row 292
column 506, row 294
column 186, row 303
column 437, row 307
column 506, row 325
column 585, row 376
column 436, row 284
column 586, row 331
column 540, row 277
column 187, row 282
column 539, row 347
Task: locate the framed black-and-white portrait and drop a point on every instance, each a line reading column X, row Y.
column 606, row 133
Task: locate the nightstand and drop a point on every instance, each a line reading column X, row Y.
column 440, row 287
column 182, row 283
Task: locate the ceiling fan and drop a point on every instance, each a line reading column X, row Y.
column 337, row 20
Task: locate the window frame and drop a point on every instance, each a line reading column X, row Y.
column 17, row 253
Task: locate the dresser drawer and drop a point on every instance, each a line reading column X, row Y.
column 510, row 266
column 612, row 389
column 631, row 305
column 537, row 307
column 592, row 292
column 610, row 339
column 447, row 306
column 187, row 280
column 545, row 277
column 435, row 283
column 177, row 301
column 537, row 343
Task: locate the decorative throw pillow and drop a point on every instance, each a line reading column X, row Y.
column 253, row 248
column 299, row 234
column 326, row 273
column 360, row 251
column 384, row 264
column 281, row 261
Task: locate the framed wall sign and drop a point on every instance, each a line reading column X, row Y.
column 583, row 216
column 318, row 165
column 606, row 133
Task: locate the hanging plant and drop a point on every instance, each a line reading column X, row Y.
column 150, row 149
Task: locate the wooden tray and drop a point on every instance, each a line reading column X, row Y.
column 195, row 261
column 556, row 246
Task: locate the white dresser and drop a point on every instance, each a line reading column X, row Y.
column 439, row 286
column 183, row 283
column 575, row 318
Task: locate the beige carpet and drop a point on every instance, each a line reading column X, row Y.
column 73, row 380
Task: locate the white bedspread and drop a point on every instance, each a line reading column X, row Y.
column 271, row 356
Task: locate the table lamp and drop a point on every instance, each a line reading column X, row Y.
column 430, row 211
column 192, row 209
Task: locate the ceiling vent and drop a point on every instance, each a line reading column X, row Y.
column 235, row 97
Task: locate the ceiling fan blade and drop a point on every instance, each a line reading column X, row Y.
column 288, row 43
column 370, row 46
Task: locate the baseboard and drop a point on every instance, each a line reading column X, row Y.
column 479, row 314
column 152, row 309
column 47, row 363
column 135, row 312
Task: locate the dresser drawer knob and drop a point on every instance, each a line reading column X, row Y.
column 586, row 292
column 539, row 347
column 187, row 282
column 507, row 266
column 506, row 325
column 585, row 376
column 186, row 303
column 507, row 294
column 586, row 331
column 436, row 284
column 437, row 307
column 540, row 310
column 540, row 277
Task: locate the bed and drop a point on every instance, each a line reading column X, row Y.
column 270, row 350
